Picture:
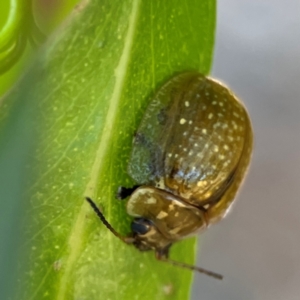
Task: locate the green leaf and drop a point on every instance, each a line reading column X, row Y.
column 66, row 133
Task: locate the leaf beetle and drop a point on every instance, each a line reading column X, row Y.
column 189, row 157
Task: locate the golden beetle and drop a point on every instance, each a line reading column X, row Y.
column 189, row 156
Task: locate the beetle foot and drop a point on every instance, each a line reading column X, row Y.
column 124, row 192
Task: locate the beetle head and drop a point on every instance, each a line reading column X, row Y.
column 146, row 236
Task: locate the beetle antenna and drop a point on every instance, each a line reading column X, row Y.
column 194, row 268
column 127, row 240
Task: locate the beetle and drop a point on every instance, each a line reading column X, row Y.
column 189, row 156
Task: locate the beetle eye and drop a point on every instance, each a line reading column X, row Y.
column 140, row 226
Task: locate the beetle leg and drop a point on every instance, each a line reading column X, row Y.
column 162, row 254
column 124, row 192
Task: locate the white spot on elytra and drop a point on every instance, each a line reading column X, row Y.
column 182, row 121
column 226, row 163
column 202, row 183
column 234, row 125
column 187, row 103
column 216, row 148
column 190, row 122
column 204, row 131
column 224, row 126
column 207, row 194
column 210, row 116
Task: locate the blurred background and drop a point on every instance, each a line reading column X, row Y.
column 257, row 248
column 24, row 25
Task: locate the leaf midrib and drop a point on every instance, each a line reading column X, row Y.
column 75, row 241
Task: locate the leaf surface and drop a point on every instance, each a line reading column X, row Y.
column 66, row 133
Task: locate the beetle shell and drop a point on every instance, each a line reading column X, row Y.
column 195, row 143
